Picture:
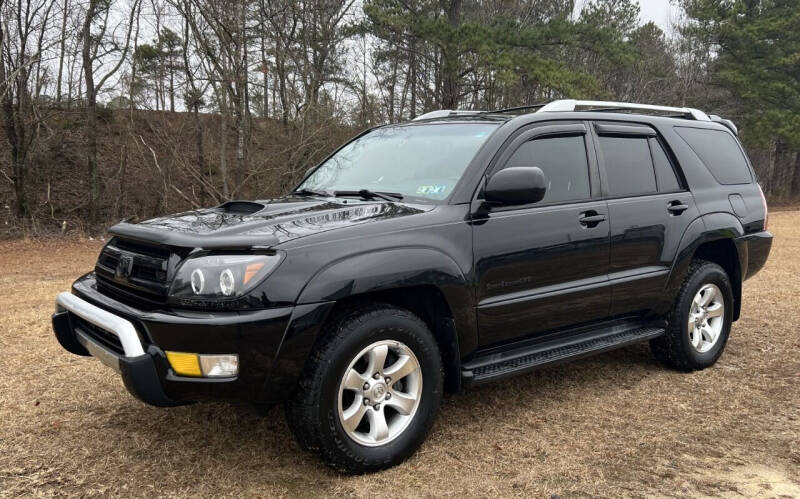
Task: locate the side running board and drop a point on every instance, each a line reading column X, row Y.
column 496, row 365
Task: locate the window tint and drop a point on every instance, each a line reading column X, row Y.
column 665, row 173
column 720, row 152
column 629, row 167
column 563, row 161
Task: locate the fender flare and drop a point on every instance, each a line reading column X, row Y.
column 704, row 229
column 396, row 268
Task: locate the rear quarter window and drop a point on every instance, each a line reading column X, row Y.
column 720, row 152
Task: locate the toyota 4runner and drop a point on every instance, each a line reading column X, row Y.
column 440, row 254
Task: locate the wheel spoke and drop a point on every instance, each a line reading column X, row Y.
column 402, row 402
column 404, row 366
column 715, row 310
column 691, row 325
column 377, row 358
column 708, row 294
column 708, row 334
column 353, row 415
column 378, row 429
column 696, row 338
column 354, row 380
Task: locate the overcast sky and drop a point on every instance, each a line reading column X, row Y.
column 658, row 11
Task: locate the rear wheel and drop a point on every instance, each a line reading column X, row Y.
column 700, row 320
column 371, row 391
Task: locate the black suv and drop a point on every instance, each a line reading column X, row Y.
column 434, row 255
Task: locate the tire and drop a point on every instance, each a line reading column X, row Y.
column 695, row 344
column 326, row 398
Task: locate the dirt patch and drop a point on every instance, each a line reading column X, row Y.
column 754, row 481
column 614, row 425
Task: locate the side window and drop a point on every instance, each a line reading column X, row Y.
column 628, row 165
column 720, row 152
column 564, row 163
column 665, row 173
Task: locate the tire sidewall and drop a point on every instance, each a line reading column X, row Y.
column 386, row 326
column 708, row 274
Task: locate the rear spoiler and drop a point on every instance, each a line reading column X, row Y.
column 726, row 123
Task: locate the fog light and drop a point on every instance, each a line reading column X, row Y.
column 219, row 366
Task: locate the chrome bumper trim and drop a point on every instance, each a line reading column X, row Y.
column 98, row 351
column 105, row 320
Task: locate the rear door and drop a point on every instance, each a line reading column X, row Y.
column 544, row 266
column 649, row 209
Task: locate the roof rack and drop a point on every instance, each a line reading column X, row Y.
column 518, row 108
column 444, row 113
column 570, row 105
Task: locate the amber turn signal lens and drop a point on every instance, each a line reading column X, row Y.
column 251, row 271
column 184, row 364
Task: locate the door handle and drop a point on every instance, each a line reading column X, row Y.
column 591, row 218
column 677, row 207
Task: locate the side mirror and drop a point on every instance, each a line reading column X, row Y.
column 516, row 185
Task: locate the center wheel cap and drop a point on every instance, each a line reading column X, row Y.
column 378, row 391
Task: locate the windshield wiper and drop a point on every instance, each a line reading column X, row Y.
column 368, row 194
column 310, row 192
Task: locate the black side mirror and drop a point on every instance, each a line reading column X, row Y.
column 516, row 185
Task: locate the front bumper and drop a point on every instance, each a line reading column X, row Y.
column 133, row 342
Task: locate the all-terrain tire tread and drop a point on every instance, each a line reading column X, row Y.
column 667, row 348
column 302, row 409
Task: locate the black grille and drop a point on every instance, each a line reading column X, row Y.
column 105, row 338
column 134, row 272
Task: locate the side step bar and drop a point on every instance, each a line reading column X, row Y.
column 489, row 367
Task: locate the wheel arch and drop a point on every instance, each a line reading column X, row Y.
column 714, row 238
column 423, row 280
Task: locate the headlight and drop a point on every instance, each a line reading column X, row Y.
column 214, row 279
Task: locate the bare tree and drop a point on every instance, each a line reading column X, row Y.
column 22, row 41
column 97, row 45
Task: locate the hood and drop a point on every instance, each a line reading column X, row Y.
column 244, row 224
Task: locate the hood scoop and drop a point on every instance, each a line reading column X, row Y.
column 241, row 207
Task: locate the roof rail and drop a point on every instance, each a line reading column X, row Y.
column 444, row 113
column 570, row 105
column 518, row 108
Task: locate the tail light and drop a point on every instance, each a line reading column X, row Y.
column 764, row 202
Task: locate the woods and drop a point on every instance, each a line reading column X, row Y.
column 120, row 108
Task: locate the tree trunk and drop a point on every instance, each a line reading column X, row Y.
column 171, row 88
column 91, row 113
column 62, row 50
column 450, row 67
column 413, row 76
column 198, row 125
column 795, row 190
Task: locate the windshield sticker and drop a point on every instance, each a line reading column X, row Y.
column 431, row 190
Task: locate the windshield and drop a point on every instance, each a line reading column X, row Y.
column 417, row 161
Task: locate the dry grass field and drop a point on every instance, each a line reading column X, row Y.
column 614, row 425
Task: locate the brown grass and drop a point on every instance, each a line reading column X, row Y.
column 614, row 425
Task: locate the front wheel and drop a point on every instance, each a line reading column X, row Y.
column 371, row 391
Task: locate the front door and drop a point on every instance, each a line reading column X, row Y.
column 544, row 266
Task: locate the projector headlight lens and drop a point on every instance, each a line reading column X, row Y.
column 220, row 277
column 226, row 282
column 198, row 281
